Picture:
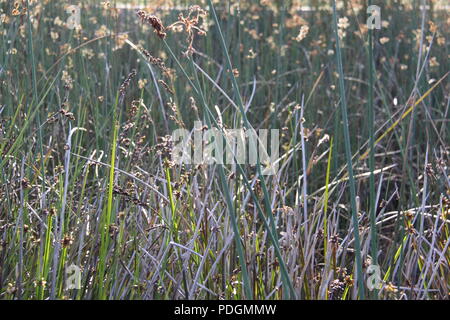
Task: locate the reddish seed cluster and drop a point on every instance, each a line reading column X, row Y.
column 126, row 83
column 156, row 61
column 154, row 21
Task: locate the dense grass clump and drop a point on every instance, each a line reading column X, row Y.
column 358, row 209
